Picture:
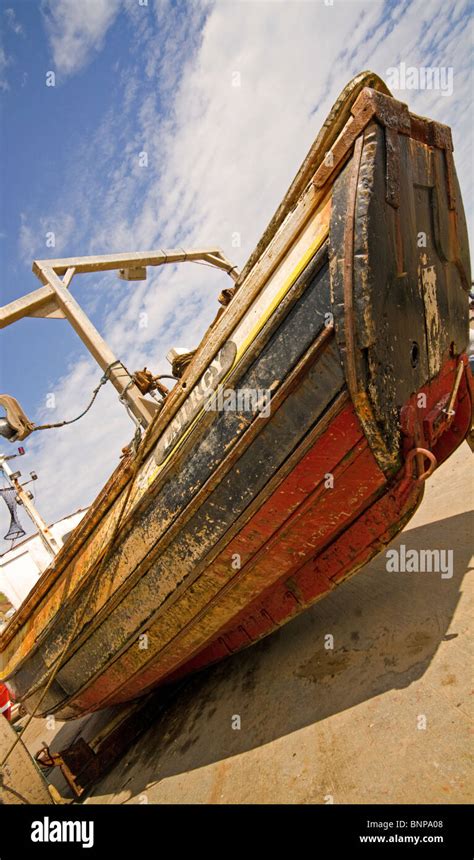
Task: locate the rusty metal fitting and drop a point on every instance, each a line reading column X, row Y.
column 421, row 455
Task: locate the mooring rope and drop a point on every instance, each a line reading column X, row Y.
column 95, row 580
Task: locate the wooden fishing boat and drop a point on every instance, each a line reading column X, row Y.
column 342, row 345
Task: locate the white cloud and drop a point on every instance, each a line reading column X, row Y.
column 220, row 160
column 76, row 30
column 13, row 22
column 46, row 237
column 4, row 63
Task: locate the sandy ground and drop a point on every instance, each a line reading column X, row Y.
column 381, row 718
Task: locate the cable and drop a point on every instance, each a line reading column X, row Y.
column 102, row 382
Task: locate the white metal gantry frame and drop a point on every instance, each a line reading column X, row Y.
column 54, row 300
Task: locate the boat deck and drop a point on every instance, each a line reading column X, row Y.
column 318, row 723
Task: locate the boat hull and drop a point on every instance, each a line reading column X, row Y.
column 351, row 327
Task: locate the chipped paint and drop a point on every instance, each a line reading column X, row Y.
column 428, row 288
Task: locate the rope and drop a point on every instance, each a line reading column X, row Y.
column 95, row 580
column 102, row 382
column 61, row 659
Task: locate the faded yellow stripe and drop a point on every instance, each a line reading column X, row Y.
column 320, row 239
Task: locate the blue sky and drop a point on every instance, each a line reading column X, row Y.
column 161, row 78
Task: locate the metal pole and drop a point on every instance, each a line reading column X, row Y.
column 51, row 543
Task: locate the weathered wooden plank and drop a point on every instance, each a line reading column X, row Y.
column 26, row 306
